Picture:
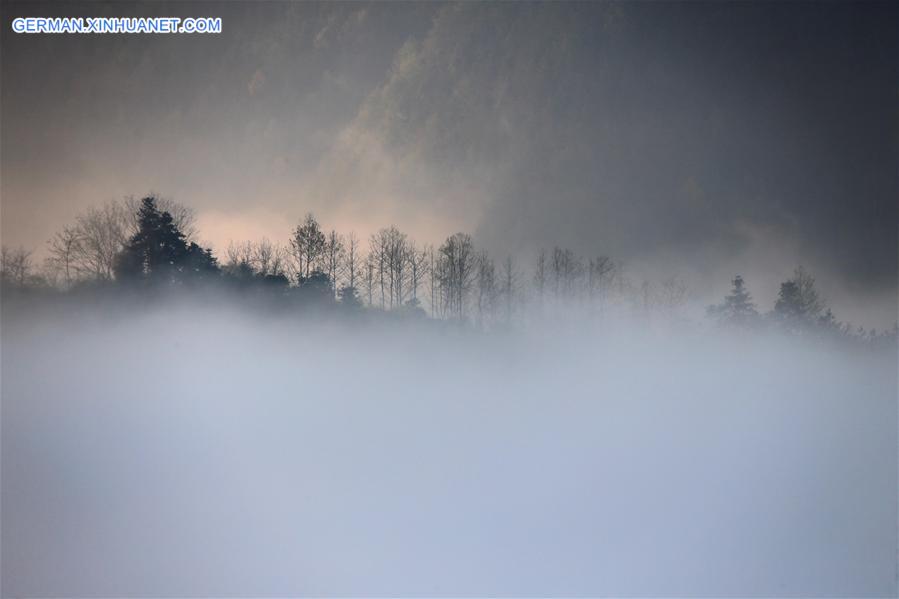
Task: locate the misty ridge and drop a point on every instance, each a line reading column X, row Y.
column 148, row 249
column 201, row 439
column 330, row 417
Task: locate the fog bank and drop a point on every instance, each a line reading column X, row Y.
column 197, row 451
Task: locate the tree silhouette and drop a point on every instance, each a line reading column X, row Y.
column 15, row 265
column 307, row 246
column 157, row 252
column 455, row 273
column 199, row 263
column 797, row 302
column 316, row 288
column 89, row 248
column 349, row 298
column 737, row 308
column 452, row 281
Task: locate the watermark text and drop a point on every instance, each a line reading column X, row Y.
column 117, row 25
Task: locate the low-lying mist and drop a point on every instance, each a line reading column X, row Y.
column 197, row 450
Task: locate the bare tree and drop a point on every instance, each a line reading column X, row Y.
column 810, row 301
column 672, row 295
column 369, row 277
column 377, row 254
column 600, row 272
column 104, row 233
column 307, row 246
column 418, row 268
column 434, row 283
column 798, row 302
column 88, row 248
column 567, row 269
column 486, row 289
column 333, row 258
column 456, row 268
column 268, row 259
column 64, row 254
column 352, row 261
column 239, row 256
column 15, row 265
column 540, row 278
column 262, row 258
column 390, row 248
column 51, row 275
column 508, row 288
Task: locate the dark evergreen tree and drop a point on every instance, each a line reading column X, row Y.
column 349, row 298
column 241, row 272
column 279, row 281
column 158, row 252
column 316, row 288
column 788, row 305
column 798, row 305
column 198, row 263
column 411, row 309
column 827, row 321
column 738, row 308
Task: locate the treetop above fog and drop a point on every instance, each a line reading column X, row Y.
column 150, row 243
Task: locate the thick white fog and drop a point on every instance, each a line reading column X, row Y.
column 199, row 451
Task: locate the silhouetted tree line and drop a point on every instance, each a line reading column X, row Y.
column 151, row 244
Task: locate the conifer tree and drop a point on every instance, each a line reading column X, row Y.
column 738, row 308
column 158, row 251
column 798, row 302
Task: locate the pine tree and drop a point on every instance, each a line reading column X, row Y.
column 349, row 298
column 158, row 251
column 199, row 262
column 798, row 304
column 738, row 308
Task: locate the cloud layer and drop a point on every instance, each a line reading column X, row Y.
column 193, row 450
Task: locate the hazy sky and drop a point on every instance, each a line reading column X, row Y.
column 695, row 139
